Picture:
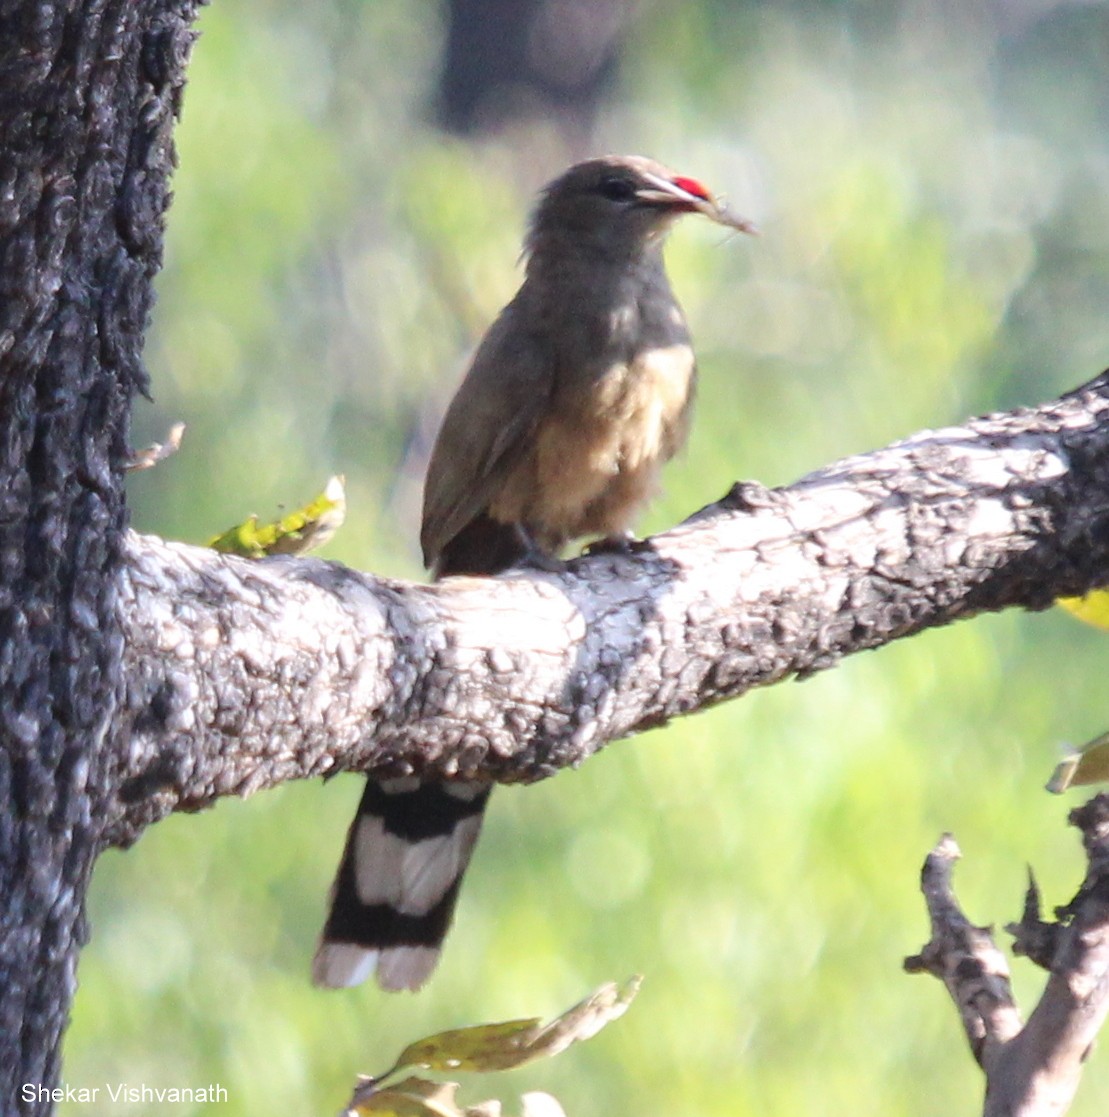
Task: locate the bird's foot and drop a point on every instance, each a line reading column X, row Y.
column 623, row 543
column 536, row 559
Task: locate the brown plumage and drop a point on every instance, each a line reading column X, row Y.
column 577, row 395
column 581, row 389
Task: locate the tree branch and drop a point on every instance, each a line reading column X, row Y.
column 966, row 959
column 1032, row 1070
column 245, row 674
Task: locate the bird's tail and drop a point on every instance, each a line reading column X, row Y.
column 394, row 894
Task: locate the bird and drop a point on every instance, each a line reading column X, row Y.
column 575, row 397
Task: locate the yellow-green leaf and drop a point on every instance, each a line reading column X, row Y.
column 1089, row 764
column 487, row 1047
column 479, row 1048
column 1093, row 608
column 300, row 531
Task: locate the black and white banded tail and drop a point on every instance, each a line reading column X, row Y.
column 394, row 894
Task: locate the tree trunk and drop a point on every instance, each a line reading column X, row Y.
column 87, row 95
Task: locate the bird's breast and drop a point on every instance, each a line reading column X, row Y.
column 638, row 407
column 597, row 453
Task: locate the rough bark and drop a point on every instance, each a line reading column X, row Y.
column 1031, row 1069
column 244, row 674
column 87, row 91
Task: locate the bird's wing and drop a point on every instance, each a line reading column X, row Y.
column 485, row 433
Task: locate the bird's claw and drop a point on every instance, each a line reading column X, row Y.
column 623, row 544
column 536, row 559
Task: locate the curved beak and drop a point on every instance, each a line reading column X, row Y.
column 663, row 192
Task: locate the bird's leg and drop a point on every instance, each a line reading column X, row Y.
column 535, row 556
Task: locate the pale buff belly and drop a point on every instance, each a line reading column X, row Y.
column 591, row 471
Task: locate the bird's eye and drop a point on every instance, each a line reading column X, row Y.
column 617, row 189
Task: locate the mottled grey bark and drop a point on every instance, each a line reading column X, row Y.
column 244, row 674
column 87, row 93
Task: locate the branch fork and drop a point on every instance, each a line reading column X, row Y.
column 1032, row 1069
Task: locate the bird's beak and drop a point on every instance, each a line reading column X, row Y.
column 663, row 192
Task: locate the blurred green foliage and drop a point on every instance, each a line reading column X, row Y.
column 930, row 180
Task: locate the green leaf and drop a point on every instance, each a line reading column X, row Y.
column 487, row 1047
column 295, row 534
column 513, row 1043
column 482, row 1047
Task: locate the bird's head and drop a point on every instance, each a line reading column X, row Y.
column 618, row 204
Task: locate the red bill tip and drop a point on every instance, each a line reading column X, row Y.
column 692, row 186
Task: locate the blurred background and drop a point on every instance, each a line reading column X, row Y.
column 932, row 184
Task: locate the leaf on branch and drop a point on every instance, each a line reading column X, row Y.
column 483, row 1047
column 488, row 1047
column 502, row 1046
column 1086, row 765
column 295, row 534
